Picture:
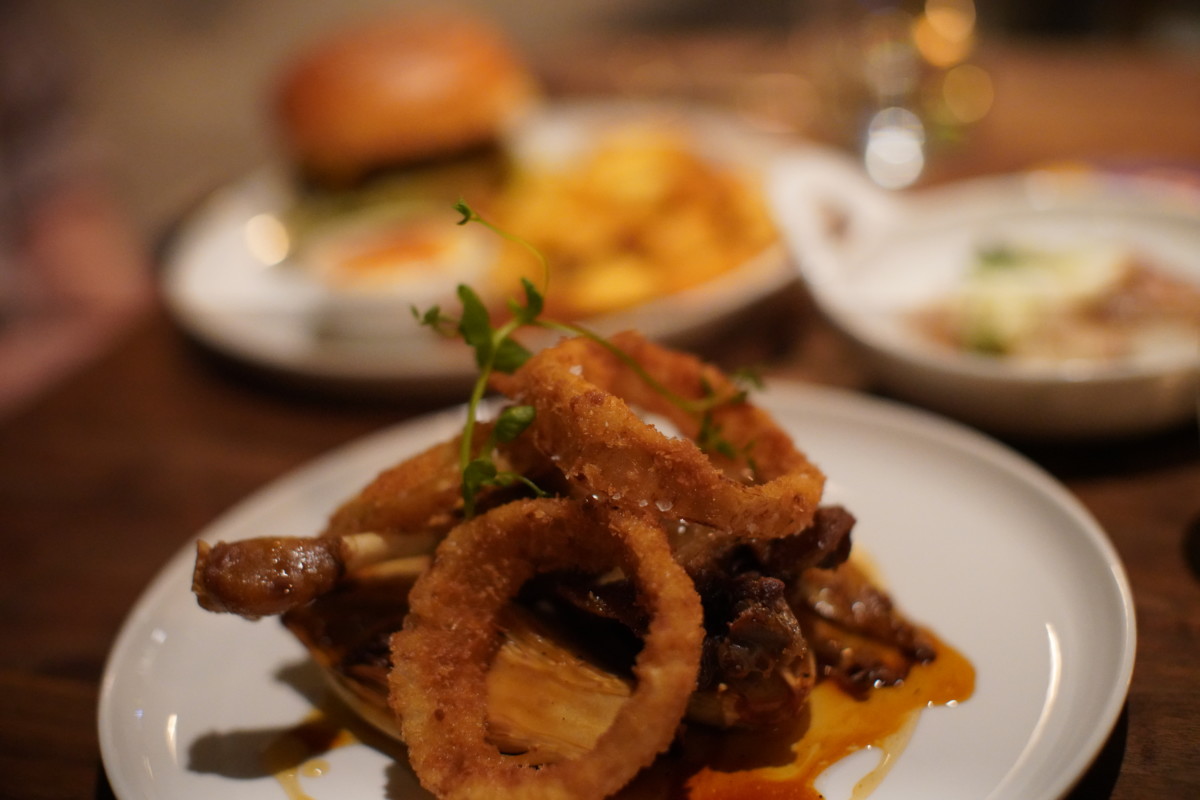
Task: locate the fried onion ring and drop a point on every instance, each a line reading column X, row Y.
column 441, row 657
column 583, row 393
column 423, row 493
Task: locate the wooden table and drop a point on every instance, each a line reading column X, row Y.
column 112, row 470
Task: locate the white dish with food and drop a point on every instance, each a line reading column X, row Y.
column 1044, row 304
column 228, row 280
column 192, row 702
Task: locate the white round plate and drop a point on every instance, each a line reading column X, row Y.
column 970, row 538
column 223, row 294
column 893, row 254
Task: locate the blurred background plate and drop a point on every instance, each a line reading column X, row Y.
column 221, row 292
column 875, row 260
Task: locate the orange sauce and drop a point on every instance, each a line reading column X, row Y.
column 391, row 250
column 840, row 725
column 836, row 725
column 294, row 753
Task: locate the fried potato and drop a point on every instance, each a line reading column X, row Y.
column 641, row 216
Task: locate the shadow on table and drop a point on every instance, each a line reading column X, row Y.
column 1100, row 779
column 1131, row 455
column 1191, row 547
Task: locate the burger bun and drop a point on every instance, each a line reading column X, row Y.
column 402, row 90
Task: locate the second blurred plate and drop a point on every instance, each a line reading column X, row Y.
column 874, row 260
column 225, row 296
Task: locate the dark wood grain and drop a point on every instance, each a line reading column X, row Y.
column 111, row 471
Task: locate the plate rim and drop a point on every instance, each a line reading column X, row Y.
column 849, row 406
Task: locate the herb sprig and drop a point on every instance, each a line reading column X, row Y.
column 497, row 351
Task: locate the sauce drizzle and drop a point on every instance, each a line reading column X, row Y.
column 294, row 753
column 840, row 725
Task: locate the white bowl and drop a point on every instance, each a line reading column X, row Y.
column 871, row 258
column 420, row 260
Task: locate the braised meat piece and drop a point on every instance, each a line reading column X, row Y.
column 825, row 543
column 756, row 669
column 709, row 553
column 859, row 638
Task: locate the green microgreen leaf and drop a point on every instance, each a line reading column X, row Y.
column 477, row 474
column 496, row 350
column 512, row 422
column 534, row 304
column 476, row 325
column 468, row 213
column 434, row 319
column 710, row 440
column 510, row 355
column 999, row 257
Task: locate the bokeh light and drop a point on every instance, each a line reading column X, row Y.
column 267, row 239
column 894, row 155
column 944, row 34
column 889, row 62
column 967, row 93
